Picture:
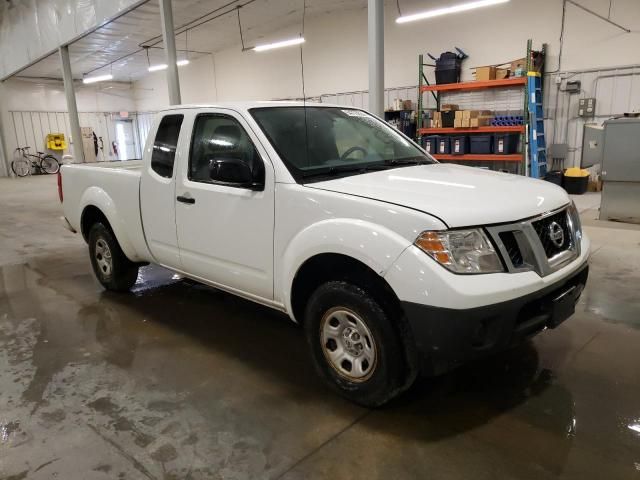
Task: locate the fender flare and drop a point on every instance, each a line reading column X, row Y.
column 98, row 198
column 369, row 243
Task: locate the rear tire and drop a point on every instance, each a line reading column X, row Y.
column 354, row 345
column 21, row 167
column 49, row 164
column 110, row 265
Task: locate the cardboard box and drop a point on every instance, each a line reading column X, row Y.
column 479, row 113
column 594, row 186
column 461, row 123
column 448, row 106
column 482, row 121
column 459, row 114
column 485, row 73
column 502, row 73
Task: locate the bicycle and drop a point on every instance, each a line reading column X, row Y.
column 24, row 165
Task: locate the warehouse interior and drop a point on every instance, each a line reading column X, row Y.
column 178, row 380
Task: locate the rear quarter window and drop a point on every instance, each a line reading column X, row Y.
column 165, row 144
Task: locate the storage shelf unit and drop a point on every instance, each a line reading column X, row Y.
column 516, row 157
column 436, row 90
column 464, row 86
column 447, row 87
column 434, row 131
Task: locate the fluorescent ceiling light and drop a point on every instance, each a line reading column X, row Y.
column 284, row 43
column 97, row 78
column 462, row 7
column 157, row 68
column 164, row 66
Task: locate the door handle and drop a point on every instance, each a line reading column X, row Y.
column 183, row 199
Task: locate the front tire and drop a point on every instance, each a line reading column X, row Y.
column 354, row 345
column 110, row 265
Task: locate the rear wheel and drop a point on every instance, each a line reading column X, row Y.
column 21, row 167
column 110, row 265
column 49, row 164
column 355, row 346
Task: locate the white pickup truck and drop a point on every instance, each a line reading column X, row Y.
column 393, row 263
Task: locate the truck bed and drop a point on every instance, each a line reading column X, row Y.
column 114, row 188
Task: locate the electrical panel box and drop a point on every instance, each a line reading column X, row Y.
column 592, row 145
column 573, row 86
column 587, row 107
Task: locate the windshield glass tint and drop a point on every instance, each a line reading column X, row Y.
column 337, row 140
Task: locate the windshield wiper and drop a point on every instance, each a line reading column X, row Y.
column 405, row 161
column 340, row 169
column 371, row 167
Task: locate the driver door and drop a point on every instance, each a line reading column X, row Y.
column 225, row 230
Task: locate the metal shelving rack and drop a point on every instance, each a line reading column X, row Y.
column 435, row 90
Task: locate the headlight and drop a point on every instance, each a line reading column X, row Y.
column 461, row 251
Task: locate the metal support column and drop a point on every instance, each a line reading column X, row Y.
column 72, row 107
column 4, row 157
column 173, row 81
column 376, row 57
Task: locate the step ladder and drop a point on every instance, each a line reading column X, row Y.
column 537, row 143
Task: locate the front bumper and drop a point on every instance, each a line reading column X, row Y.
column 446, row 338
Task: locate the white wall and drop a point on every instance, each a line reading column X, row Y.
column 49, row 96
column 197, row 85
column 39, row 108
column 335, row 57
column 335, row 53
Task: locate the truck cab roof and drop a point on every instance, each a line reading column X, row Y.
column 249, row 105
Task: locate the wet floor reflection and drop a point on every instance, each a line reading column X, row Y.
column 179, row 379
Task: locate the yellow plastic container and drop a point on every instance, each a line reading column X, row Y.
column 576, row 180
column 56, row 141
column 576, row 172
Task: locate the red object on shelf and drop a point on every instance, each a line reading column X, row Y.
column 506, row 82
column 516, row 157
column 516, row 129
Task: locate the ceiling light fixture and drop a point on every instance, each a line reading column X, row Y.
column 164, row 66
column 462, row 7
column 157, row 68
column 97, row 78
column 284, row 43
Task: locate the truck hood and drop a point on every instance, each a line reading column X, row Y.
column 459, row 196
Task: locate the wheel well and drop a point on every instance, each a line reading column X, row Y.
column 332, row 266
column 90, row 216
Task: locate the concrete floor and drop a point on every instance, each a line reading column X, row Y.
column 182, row 381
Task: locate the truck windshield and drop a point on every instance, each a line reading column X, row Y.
column 317, row 142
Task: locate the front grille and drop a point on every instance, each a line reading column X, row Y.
column 543, row 244
column 547, row 230
column 513, row 250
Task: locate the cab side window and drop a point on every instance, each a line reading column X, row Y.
column 164, row 146
column 220, row 138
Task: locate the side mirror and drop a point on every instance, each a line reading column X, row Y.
column 233, row 172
